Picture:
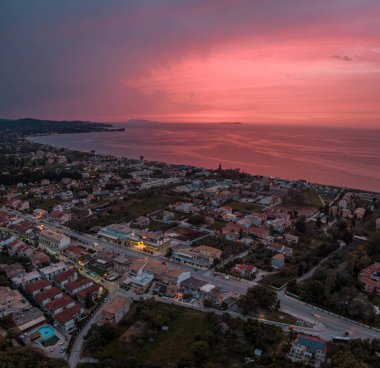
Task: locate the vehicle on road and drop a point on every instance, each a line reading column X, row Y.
column 316, row 315
column 341, row 339
column 226, row 277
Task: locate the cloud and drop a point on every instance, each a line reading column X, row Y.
column 115, row 59
column 343, row 58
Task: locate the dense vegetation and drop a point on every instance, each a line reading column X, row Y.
column 21, row 357
column 356, row 354
column 35, row 126
column 334, row 283
column 192, row 339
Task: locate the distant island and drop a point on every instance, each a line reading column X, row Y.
column 231, row 123
column 30, row 126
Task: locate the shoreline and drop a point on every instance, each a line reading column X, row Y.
column 29, row 138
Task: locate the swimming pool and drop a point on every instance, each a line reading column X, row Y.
column 48, row 337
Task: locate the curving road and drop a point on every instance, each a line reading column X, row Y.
column 335, row 325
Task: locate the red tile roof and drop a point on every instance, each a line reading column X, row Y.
column 37, row 285
column 59, row 303
column 48, row 294
column 65, row 275
column 90, row 290
column 72, row 285
column 68, row 314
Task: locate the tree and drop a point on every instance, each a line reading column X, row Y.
column 199, row 350
column 207, row 303
column 26, row 357
column 196, row 220
column 313, row 291
column 88, row 301
column 291, row 286
column 258, row 296
column 345, row 359
column 169, row 252
column 301, row 225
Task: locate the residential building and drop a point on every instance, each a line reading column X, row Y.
column 49, row 272
column 73, row 287
column 92, row 291
column 48, row 295
column 64, row 277
column 40, row 259
column 27, row 278
column 115, row 310
column 58, row 305
column 14, row 270
column 52, row 241
column 117, row 232
column 202, row 256
column 309, row 349
column 369, row 278
column 67, row 318
column 142, row 282
column 38, row 286
column 244, row 270
column 278, row 260
column 122, row 264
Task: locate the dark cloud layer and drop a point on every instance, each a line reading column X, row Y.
column 66, row 59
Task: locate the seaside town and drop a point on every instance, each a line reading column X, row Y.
column 109, row 259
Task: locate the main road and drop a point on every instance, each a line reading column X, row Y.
column 334, row 325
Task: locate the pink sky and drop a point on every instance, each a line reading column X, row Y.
column 294, row 61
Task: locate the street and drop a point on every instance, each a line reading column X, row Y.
column 334, row 325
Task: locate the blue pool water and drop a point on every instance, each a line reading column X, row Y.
column 47, row 332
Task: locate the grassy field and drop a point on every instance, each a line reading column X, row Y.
column 125, row 210
column 158, row 225
column 193, row 339
column 312, row 199
column 170, row 346
column 244, row 207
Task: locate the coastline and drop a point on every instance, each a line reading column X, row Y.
column 29, row 138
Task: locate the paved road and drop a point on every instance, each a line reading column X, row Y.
column 76, row 351
column 335, row 326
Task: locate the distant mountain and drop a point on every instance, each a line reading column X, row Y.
column 30, row 126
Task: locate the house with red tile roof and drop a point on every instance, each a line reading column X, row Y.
column 56, row 306
column 232, row 231
column 67, row 318
column 14, row 270
column 66, row 276
column 48, row 295
column 244, row 269
column 40, row 259
column 38, row 286
column 92, row 290
column 20, row 248
column 74, row 252
column 73, row 287
column 275, row 247
column 308, row 349
column 369, row 278
column 258, row 232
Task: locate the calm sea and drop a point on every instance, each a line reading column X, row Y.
column 336, row 156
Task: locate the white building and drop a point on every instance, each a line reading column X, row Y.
column 50, row 271
column 52, row 241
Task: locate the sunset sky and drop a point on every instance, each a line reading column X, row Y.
column 265, row 61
